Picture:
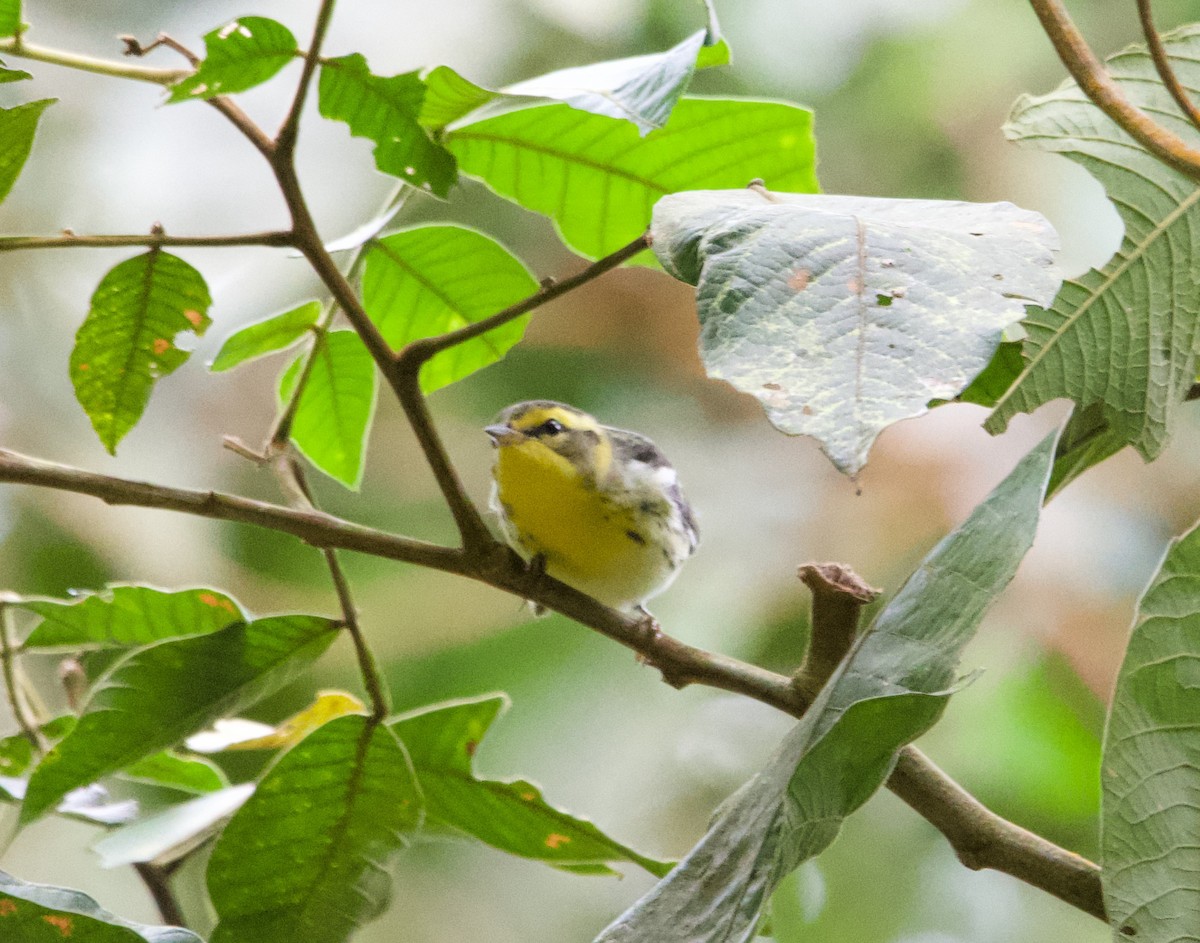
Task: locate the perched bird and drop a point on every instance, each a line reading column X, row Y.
column 599, row 508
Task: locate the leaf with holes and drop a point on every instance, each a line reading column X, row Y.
column 427, row 281
column 1124, row 336
column 238, row 56
column 122, row 616
column 891, row 687
column 507, row 814
column 845, row 314
column 1151, row 770
column 598, row 179
column 127, row 341
column 334, row 415
column 40, row 913
column 159, row 695
column 276, row 333
column 304, row 860
column 385, row 110
column 17, row 127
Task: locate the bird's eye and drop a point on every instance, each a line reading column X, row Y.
column 549, row 427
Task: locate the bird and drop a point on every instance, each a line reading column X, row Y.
column 595, row 507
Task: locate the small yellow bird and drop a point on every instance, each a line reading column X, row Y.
column 599, row 507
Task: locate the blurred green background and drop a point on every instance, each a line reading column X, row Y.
column 909, row 97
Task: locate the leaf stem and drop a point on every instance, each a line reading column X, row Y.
column 69, row 240
column 12, row 685
column 16, row 46
column 1092, row 77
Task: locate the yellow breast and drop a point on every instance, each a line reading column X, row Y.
column 588, row 539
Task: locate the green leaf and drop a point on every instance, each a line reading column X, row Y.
column 172, row 771
column 10, row 17
column 334, row 415
column 598, row 179
column 1086, row 440
column 170, row 834
column 427, row 281
column 510, row 815
column 17, row 127
column 449, row 96
column 304, row 860
column 122, row 616
column 237, row 56
column 892, row 686
column 159, row 695
column 40, row 913
column 265, row 337
column 16, row 752
column 843, row 315
column 1122, row 336
column 12, row 75
column 1151, row 769
column 127, row 341
column 995, row 379
column 386, row 111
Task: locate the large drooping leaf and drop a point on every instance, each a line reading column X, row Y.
column 159, row 695
column 845, row 314
column 39, row 913
column 892, row 686
column 334, row 416
column 128, row 339
column 10, row 17
column 17, row 127
column 1151, row 770
column 122, row 616
column 386, row 109
column 1123, row 336
column 305, row 859
column 598, row 179
column 277, row 332
column 640, row 89
column 239, row 55
column 507, row 814
column 427, row 281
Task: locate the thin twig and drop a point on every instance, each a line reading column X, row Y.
column 69, row 240
column 285, row 138
column 1091, row 76
column 16, row 46
column 292, row 477
column 158, row 883
column 1162, row 62
column 12, row 684
column 988, row 839
column 838, row 597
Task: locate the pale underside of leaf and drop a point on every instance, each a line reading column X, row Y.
column 843, row 315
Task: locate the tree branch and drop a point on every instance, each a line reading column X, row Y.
column 839, row 595
column 1162, row 62
column 285, row 139
column 982, row 837
column 158, row 883
column 1091, row 76
column 69, row 240
column 20, row 710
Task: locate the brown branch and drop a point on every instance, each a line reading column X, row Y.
column 1162, row 62
column 158, row 883
column 69, row 240
column 285, row 139
column 1091, row 76
column 839, row 595
column 984, row 838
column 20, row 710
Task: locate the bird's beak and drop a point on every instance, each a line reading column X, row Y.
column 503, row 435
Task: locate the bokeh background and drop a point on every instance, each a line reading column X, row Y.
column 909, row 97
